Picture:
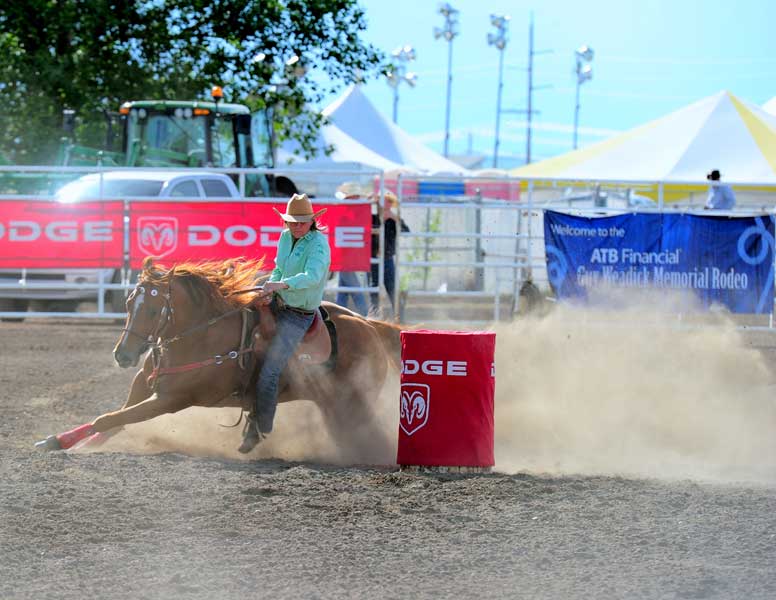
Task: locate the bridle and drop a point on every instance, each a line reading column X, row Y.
column 166, row 318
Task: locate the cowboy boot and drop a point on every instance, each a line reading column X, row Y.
column 251, row 435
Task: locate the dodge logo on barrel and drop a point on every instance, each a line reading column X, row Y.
column 415, row 399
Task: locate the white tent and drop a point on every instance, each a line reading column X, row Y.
column 719, row 132
column 348, row 153
column 770, row 106
column 355, row 115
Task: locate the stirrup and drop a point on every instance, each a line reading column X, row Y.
column 252, row 437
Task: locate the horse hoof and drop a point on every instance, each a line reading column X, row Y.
column 50, row 443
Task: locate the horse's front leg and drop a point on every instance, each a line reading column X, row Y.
column 138, row 392
column 153, row 406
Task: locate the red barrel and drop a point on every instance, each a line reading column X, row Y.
column 446, row 401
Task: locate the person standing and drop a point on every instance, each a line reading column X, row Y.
column 388, row 221
column 350, row 279
column 721, row 196
column 294, row 291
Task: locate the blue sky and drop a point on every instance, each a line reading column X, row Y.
column 651, row 58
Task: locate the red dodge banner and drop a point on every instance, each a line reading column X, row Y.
column 40, row 234
column 446, row 400
column 190, row 231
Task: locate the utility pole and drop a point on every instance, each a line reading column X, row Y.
column 530, row 91
column 530, row 112
column 531, row 88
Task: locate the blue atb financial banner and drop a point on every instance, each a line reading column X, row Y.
column 724, row 260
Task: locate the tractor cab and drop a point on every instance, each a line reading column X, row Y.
column 180, row 133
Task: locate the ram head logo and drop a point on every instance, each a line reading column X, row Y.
column 414, row 406
column 157, row 236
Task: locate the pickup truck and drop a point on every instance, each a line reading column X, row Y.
column 134, row 183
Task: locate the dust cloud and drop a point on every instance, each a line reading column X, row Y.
column 300, row 433
column 580, row 392
column 636, row 394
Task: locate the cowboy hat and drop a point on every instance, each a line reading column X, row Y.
column 350, row 190
column 390, row 197
column 299, row 210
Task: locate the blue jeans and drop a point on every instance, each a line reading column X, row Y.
column 291, row 327
column 351, row 279
column 389, row 268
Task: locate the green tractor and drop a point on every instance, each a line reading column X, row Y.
column 180, row 134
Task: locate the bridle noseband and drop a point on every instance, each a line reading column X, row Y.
column 165, row 318
column 157, row 344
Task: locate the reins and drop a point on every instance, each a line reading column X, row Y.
column 218, row 359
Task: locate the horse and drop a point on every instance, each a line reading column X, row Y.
column 196, row 319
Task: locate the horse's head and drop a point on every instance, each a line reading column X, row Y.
column 148, row 314
column 201, row 290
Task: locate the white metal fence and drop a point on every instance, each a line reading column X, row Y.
column 470, row 239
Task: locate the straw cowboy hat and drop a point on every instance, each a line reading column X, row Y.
column 351, row 190
column 390, row 198
column 299, row 210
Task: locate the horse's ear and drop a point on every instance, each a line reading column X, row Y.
column 148, row 262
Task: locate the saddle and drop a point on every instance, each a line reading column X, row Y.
column 316, row 348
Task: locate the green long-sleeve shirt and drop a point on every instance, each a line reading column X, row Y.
column 303, row 267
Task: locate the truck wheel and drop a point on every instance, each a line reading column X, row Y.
column 12, row 305
column 53, row 305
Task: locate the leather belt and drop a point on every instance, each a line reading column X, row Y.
column 306, row 313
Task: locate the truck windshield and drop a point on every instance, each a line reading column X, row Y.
column 89, row 189
column 223, row 143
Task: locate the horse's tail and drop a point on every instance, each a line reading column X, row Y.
column 390, row 337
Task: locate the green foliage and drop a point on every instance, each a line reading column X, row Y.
column 422, row 250
column 92, row 55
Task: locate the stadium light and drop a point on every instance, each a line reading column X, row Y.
column 449, row 32
column 584, row 71
column 398, row 72
column 499, row 40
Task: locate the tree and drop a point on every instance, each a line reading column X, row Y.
column 91, row 55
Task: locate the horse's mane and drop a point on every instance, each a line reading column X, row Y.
column 210, row 283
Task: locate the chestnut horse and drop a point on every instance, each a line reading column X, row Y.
column 193, row 319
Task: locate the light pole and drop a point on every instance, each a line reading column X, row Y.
column 499, row 40
column 398, row 73
column 276, row 90
column 584, row 71
column 449, row 32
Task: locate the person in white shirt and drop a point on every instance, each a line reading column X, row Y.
column 721, row 196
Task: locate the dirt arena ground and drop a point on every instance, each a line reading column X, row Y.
column 627, row 474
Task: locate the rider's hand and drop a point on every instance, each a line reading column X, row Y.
column 274, row 286
column 262, row 300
